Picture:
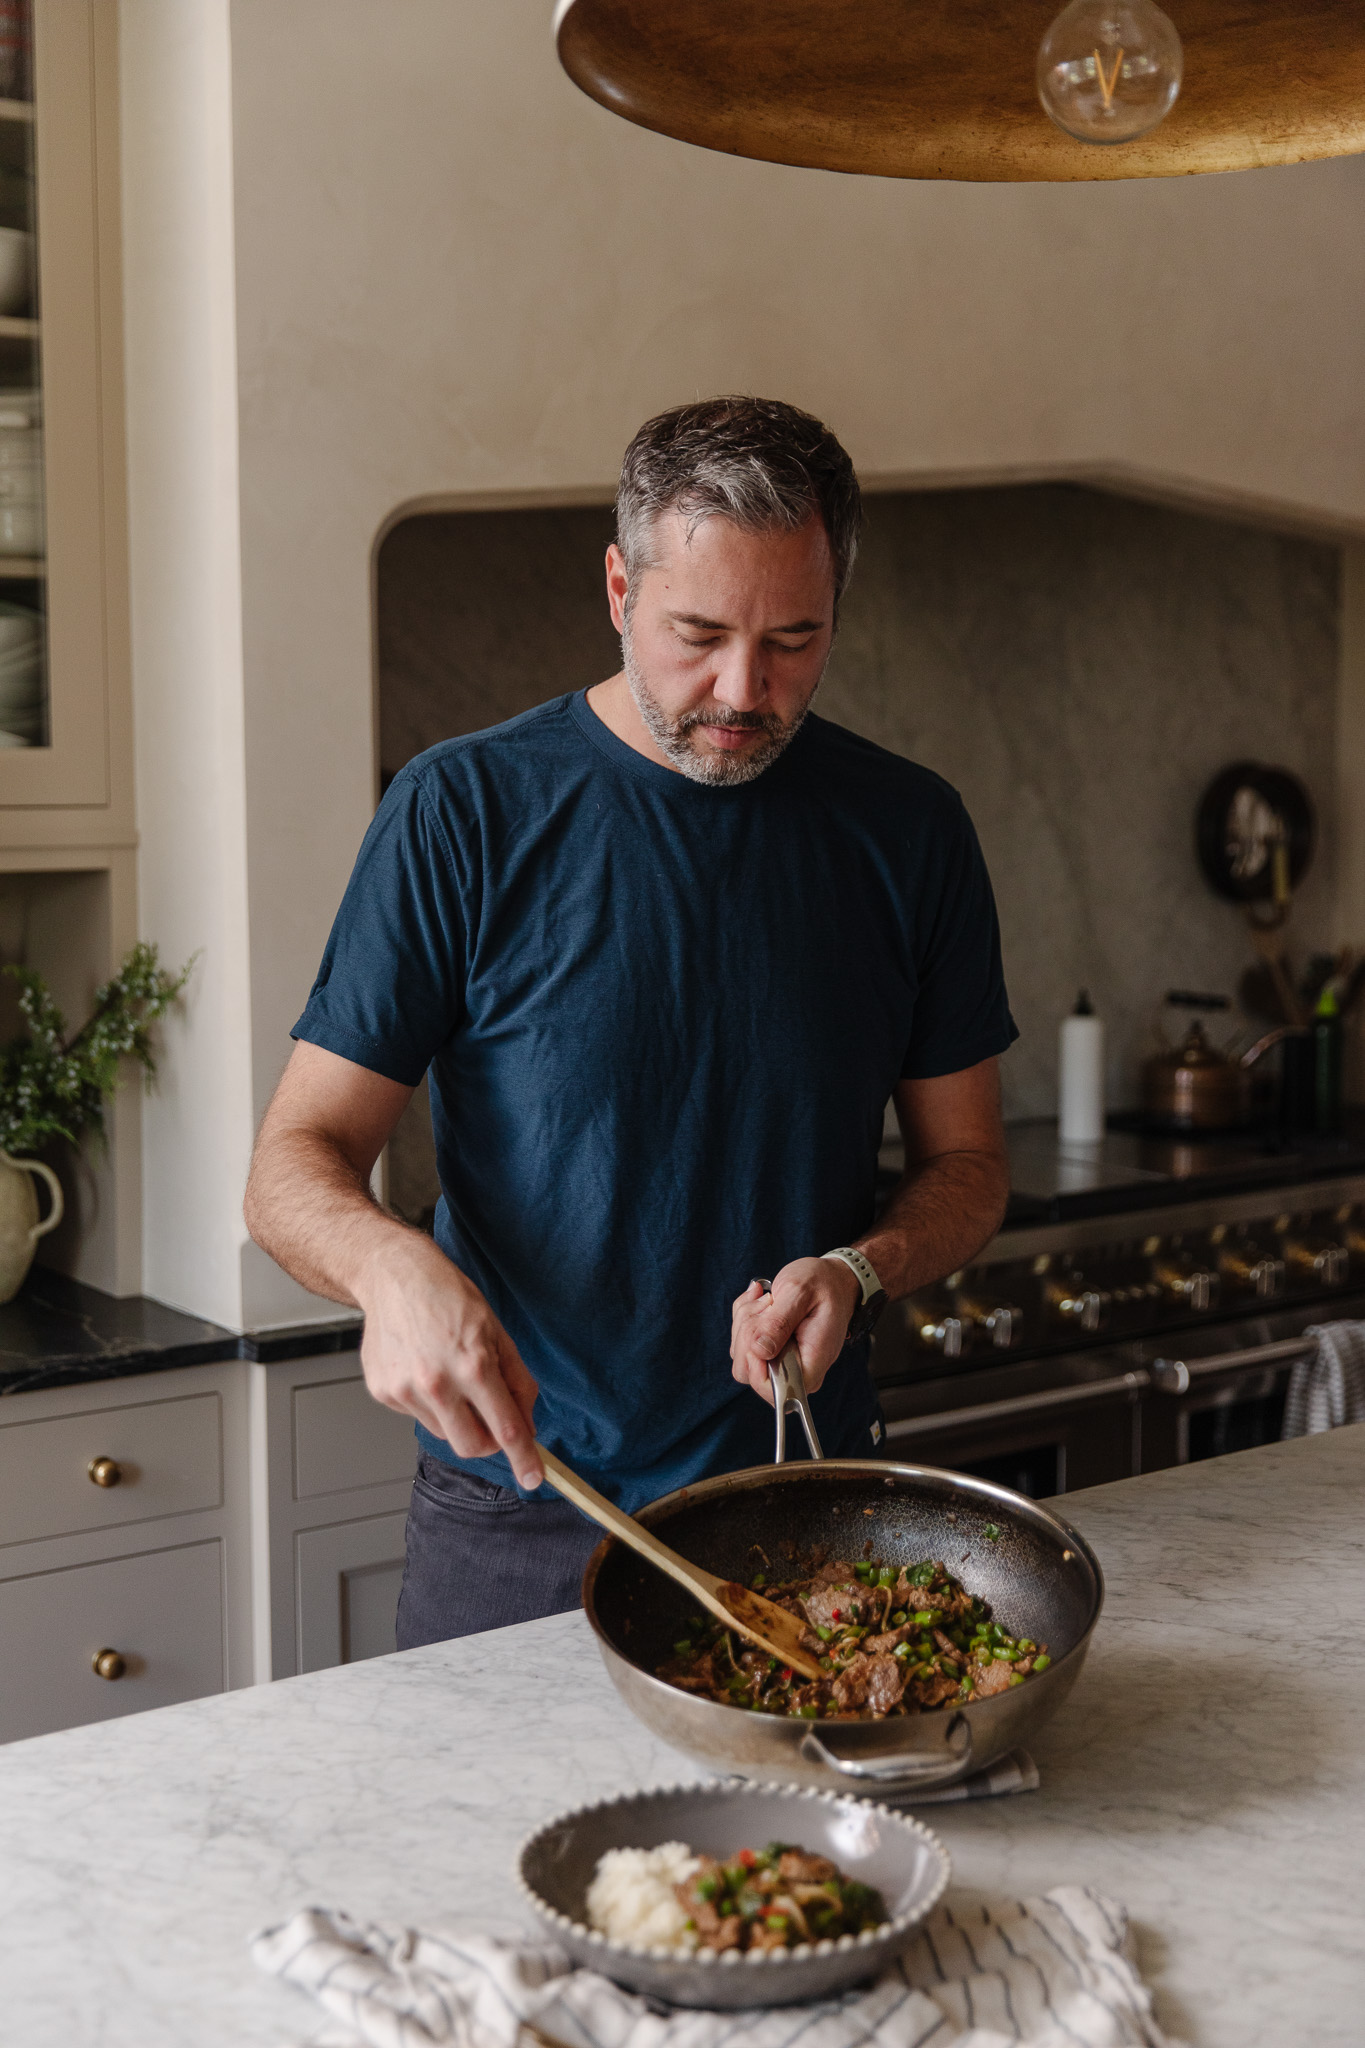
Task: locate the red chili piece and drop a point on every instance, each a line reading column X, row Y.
column 746, row 1859
column 838, row 1614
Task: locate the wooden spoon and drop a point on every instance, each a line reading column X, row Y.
column 762, row 1621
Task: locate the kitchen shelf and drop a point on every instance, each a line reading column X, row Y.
column 17, row 110
column 13, row 328
column 22, row 568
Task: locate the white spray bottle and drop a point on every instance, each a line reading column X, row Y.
column 1080, row 1073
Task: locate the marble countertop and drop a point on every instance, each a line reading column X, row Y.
column 57, row 1332
column 1215, row 1788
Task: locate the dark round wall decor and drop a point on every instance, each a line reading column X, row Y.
column 1255, row 823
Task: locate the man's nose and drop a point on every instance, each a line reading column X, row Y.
column 739, row 679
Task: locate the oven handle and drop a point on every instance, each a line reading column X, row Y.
column 1129, row 1383
column 1173, row 1375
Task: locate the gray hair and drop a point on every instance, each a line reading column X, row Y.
column 766, row 466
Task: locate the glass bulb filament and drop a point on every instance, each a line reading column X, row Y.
column 1107, row 84
column 1109, row 70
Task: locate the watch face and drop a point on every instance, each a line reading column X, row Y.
column 865, row 1319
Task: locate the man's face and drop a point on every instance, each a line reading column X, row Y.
column 725, row 639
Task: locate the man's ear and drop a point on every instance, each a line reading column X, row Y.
column 618, row 586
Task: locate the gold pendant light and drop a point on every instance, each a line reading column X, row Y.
column 950, row 88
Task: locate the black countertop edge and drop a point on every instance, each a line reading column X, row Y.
column 1026, row 1212
column 57, row 1332
column 300, row 1340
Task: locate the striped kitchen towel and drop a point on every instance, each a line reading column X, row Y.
column 1016, row 1772
column 1327, row 1389
column 1048, row 1972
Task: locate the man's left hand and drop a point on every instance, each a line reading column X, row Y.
column 812, row 1300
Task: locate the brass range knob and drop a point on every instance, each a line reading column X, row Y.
column 108, row 1664
column 1252, row 1271
column 935, row 1332
column 1001, row 1324
column 1078, row 1306
column 105, row 1471
column 1326, row 1265
column 1194, row 1286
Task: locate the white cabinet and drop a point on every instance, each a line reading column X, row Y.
column 104, row 1467
column 93, row 1641
column 343, row 1441
column 124, row 1529
column 347, row 1579
column 207, row 1527
column 331, row 1476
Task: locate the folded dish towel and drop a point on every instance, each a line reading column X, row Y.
column 1016, row 1772
column 1047, row 1972
column 1327, row 1389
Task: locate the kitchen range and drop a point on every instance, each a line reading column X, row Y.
column 1143, row 1306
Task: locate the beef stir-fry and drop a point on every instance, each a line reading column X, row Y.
column 894, row 1639
column 778, row 1897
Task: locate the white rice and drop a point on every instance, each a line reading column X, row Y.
column 631, row 1897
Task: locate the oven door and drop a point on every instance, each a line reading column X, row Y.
column 1041, row 1440
column 1223, row 1388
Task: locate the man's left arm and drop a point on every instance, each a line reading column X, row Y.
column 948, row 1204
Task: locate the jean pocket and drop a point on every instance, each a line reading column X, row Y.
column 450, row 1486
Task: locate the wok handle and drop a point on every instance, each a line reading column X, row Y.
column 788, row 1383
column 901, row 1770
column 789, row 1391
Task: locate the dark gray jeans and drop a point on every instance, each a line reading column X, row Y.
column 479, row 1556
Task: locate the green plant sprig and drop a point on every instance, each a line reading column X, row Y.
column 52, row 1086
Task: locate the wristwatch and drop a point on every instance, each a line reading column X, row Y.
column 865, row 1316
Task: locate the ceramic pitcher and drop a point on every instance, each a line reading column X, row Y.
column 19, row 1225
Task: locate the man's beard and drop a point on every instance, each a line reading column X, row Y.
column 673, row 736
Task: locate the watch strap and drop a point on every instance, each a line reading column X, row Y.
column 861, row 1268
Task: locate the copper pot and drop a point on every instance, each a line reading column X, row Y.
column 1196, row 1087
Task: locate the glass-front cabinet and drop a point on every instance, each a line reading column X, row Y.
column 62, row 553
column 23, row 568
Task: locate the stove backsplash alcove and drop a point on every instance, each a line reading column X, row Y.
column 1077, row 663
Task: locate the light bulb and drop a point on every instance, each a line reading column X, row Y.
column 1109, row 69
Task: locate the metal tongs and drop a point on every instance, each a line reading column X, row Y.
column 789, row 1391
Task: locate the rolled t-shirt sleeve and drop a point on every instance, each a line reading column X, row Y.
column 390, row 988
column 962, row 1013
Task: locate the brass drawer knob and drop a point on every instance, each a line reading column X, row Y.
column 108, row 1664
column 104, row 1471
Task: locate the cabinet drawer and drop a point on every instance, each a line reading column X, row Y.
column 161, row 1611
column 344, row 1439
column 168, row 1456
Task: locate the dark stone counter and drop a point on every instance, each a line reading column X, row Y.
column 58, row 1333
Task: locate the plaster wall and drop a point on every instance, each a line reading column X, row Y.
column 458, row 280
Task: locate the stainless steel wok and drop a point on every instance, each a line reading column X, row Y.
column 1041, row 1578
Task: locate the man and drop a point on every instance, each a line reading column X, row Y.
column 666, row 946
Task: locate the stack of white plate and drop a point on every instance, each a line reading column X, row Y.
column 23, row 707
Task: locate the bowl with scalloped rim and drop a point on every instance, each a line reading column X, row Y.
column 896, row 1854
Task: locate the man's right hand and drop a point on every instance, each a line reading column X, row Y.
column 433, row 1349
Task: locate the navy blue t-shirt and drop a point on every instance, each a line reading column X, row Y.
column 661, row 1021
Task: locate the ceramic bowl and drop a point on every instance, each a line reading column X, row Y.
column 907, row 1864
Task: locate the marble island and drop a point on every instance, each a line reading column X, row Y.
column 1216, row 1788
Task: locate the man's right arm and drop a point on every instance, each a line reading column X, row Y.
column 432, row 1347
